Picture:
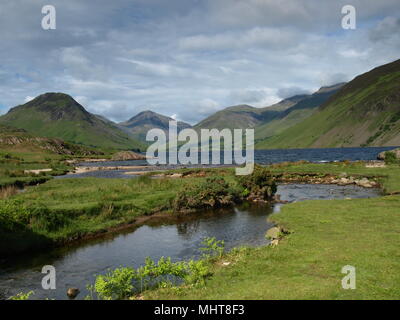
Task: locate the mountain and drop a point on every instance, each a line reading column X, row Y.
column 18, row 140
column 144, row 121
column 364, row 112
column 270, row 120
column 245, row 116
column 58, row 115
column 296, row 113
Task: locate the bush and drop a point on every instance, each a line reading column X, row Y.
column 259, row 184
column 391, row 158
column 22, row 296
column 215, row 192
column 212, row 247
column 123, row 283
column 117, row 284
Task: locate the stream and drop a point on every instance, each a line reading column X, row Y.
column 76, row 265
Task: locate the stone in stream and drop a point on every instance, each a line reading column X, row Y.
column 72, row 293
column 365, row 183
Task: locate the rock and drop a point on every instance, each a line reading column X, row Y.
column 175, row 175
column 382, row 155
column 127, row 155
column 277, row 198
column 273, row 233
column 364, row 182
column 274, row 243
column 344, row 181
column 72, row 293
column 375, row 164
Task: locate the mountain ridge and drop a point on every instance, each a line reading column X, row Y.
column 58, row 115
column 144, row 121
column 364, row 112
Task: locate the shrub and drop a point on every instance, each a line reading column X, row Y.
column 259, row 184
column 213, row 247
column 391, row 158
column 214, row 192
column 197, row 273
column 124, row 282
column 117, row 284
column 22, row 296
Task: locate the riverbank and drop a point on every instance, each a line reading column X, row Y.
column 324, row 237
column 62, row 211
column 67, row 210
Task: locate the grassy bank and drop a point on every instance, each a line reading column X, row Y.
column 64, row 210
column 325, row 236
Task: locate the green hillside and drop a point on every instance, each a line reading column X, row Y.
column 57, row 115
column 364, row 112
column 296, row 113
column 271, row 120
column 19, row 141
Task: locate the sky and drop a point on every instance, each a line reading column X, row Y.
column 188, row 58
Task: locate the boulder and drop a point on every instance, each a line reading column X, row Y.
column 382, row 155
column 127, row 155
column 176, row 175
column 273, row 233
column 365, row 183
column 72, row 293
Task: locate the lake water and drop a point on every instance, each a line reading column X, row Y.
column 260, row 157
column 77, row 265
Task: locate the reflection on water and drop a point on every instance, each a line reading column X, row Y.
column 180, row 239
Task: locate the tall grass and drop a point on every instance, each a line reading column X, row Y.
column 8, row 191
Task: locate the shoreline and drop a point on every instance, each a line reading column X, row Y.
column 160, row 216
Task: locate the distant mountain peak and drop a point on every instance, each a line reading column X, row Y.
column 146, row 120
column 58, row 105
column 58, row 115
column 331, row 88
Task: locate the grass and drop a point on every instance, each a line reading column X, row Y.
column 389, row 176
column 65, row 209
column 15, row 166
column 325, row 236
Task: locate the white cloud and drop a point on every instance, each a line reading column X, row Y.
column 28, row 98
column 272, row 38
column 189, row 58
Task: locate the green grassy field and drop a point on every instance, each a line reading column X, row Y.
column 65, row 209
column 325, row 236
